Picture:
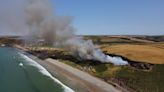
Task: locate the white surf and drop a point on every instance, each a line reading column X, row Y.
column 45, row 72
column 21, row 64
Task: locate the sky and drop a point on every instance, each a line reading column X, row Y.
column 114, row 17
column 93, row 17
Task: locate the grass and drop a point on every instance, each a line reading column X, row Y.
column 139, row 81
column 144, row 53
column 134, row 49
column 143, row 81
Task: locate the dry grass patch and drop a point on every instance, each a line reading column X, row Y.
column 143, row 53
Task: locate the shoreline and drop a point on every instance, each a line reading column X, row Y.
column 86, row 82
column 76, row 79
column 44, row 72
column 92, row 83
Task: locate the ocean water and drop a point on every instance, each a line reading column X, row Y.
column 19, row 73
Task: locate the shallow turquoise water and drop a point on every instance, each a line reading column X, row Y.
column 15, row 77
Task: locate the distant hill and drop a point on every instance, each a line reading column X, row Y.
column 152, row 38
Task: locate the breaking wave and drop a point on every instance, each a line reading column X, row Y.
column 21, row 64
column 45, row 72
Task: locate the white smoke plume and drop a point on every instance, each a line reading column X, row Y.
column 12, row 17
column 43, row 23
column 57, row 30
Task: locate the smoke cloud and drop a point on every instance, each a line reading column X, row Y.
column 12, row 17
column 42, row 23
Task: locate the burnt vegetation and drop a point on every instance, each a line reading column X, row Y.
column 62, row 55
column 136, row 73
column 136, row 64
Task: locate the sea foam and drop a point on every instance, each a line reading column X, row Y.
column 21, row 64
column 45, row 72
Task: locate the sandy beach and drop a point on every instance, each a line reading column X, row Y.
column 77, row 77
column 72, row 77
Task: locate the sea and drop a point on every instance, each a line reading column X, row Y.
column 19, row 73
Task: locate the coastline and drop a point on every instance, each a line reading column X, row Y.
column 85, row 81
column 77, row 80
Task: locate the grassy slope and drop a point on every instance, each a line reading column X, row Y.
column 141, row 81
column 151, row 81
